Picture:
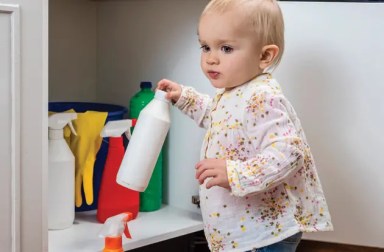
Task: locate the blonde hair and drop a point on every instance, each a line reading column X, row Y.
column 265, row 18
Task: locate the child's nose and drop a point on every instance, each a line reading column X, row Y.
column 212, row 58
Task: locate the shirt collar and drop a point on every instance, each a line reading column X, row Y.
column 260, row 78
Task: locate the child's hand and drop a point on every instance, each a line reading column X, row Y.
column 214, row 168
column 172, row 88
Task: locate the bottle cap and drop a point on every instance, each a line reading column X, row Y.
column 161, row 95
column 113, row 244
column 145, row 84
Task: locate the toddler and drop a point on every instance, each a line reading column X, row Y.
column 259, row 186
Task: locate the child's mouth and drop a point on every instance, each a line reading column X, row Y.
column 213, row 75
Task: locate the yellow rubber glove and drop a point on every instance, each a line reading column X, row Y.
column 85, row 146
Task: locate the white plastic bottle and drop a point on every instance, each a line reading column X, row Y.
column 145, row 145
column 61, row 173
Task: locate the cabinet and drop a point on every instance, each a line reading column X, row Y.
column 80, row 47
column 24, row 97
column 9, row 146
column 100, row 50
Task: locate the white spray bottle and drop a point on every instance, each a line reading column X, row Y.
column 145, row 145
column 61, row 173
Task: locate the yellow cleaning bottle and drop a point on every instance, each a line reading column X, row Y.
column 112, row 231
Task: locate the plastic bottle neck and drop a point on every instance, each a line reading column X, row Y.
column 113, row 244
column 161, row 96
column 55, row 134
column 116, row 141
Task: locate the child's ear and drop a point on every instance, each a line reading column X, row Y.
column 268, row 55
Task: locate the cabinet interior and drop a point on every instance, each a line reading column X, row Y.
column 99, row 51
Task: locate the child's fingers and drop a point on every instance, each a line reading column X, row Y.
column 198, row 164
column 163, row 84
column 200, row 167
column 212, row 182
column 199, row 171
column 206, row 173
column 168, row 86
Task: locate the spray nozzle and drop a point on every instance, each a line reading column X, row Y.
column 113, row 229
column 117, row 128
column 59, row 120
column 116, row 225
column 112, row 232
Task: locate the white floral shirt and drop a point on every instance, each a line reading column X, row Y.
column 275, row 189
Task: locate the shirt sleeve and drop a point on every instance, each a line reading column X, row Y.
column 277, row 147
column 195, row 105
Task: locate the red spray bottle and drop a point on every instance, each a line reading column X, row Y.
column 114, row 198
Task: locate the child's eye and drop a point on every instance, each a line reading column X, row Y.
column 205, row 48
column 226, row 49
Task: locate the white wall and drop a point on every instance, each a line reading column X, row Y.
column 330, row 72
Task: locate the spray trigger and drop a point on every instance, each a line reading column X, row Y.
column 126, row 231
column 128, row 217
column 116, row 225
column 117, row 128
column 128, row 132
column 72, row 128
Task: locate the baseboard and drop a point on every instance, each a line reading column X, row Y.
column 196, row 242
column 317, row 246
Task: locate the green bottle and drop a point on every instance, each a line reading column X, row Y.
column 151, row 198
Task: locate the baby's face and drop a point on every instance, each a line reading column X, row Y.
column 230, row 53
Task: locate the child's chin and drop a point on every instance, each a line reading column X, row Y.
column 217, row 84
column 220, row 86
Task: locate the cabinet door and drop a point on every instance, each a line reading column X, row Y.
column 23, row 144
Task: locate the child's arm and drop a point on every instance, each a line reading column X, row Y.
column 197, row 106
column 279, row 149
